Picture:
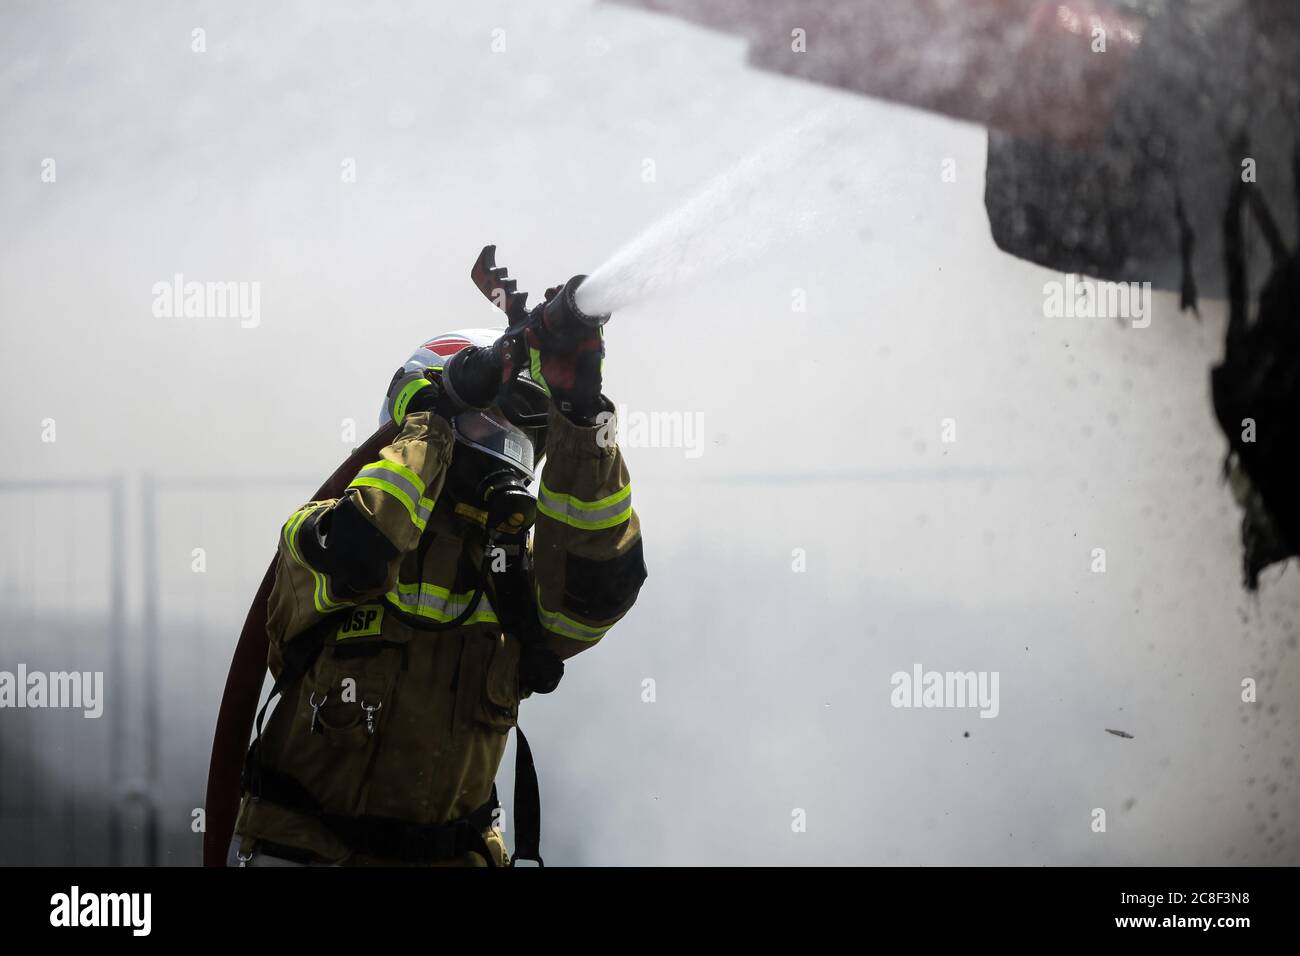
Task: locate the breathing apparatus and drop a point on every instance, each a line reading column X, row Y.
column 500, row 429
column 501, row 413
column 499, row 437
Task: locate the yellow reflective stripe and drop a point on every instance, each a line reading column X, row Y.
column 399, row 469
column 581, row 505
column 439, row 604
column 320, row 597
column 401, row 483
column 535, row 370
column 404, row 397
column 291, row 531
column 586, row 515
column 584, row 524
column 565, row 626
column 419, row 513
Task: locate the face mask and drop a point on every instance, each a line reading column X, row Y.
column 489, row 432
column 492, row 490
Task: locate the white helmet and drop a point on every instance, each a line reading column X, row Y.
column 435, row 352
column 514, row 429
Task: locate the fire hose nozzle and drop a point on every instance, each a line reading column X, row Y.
column 476, row 377
column 562, row 314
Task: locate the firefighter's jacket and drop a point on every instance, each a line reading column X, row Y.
column 397, row 722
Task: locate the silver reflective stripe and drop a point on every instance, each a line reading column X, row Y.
column 574, row 514
column 422, row 511
column 439, row 607
column 395, row 479
column 554, row 621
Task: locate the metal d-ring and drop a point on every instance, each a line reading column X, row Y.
column 370, row 710
column 316, row 705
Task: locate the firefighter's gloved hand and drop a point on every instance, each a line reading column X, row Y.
column 567, row 366
column 419, row 391
column 539, row 670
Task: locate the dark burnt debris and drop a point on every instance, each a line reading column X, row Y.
column 1256, row 388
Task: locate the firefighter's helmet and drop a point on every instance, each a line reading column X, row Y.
column 513, row 429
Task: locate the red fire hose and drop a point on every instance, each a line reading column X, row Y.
column 244, row 682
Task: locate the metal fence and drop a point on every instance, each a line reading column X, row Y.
column 63, row 778
column 205, row 546
column 124, row 788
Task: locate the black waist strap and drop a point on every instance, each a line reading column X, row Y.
column 385, row 837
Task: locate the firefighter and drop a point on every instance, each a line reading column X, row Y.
column 410, row 616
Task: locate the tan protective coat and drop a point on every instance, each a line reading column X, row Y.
column 440, row 704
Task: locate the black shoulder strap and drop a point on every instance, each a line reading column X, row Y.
column 512, row 599
column 528, row 804
column 512, row 595
column 299, row 655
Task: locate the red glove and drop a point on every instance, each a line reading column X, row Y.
column 567, row 365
